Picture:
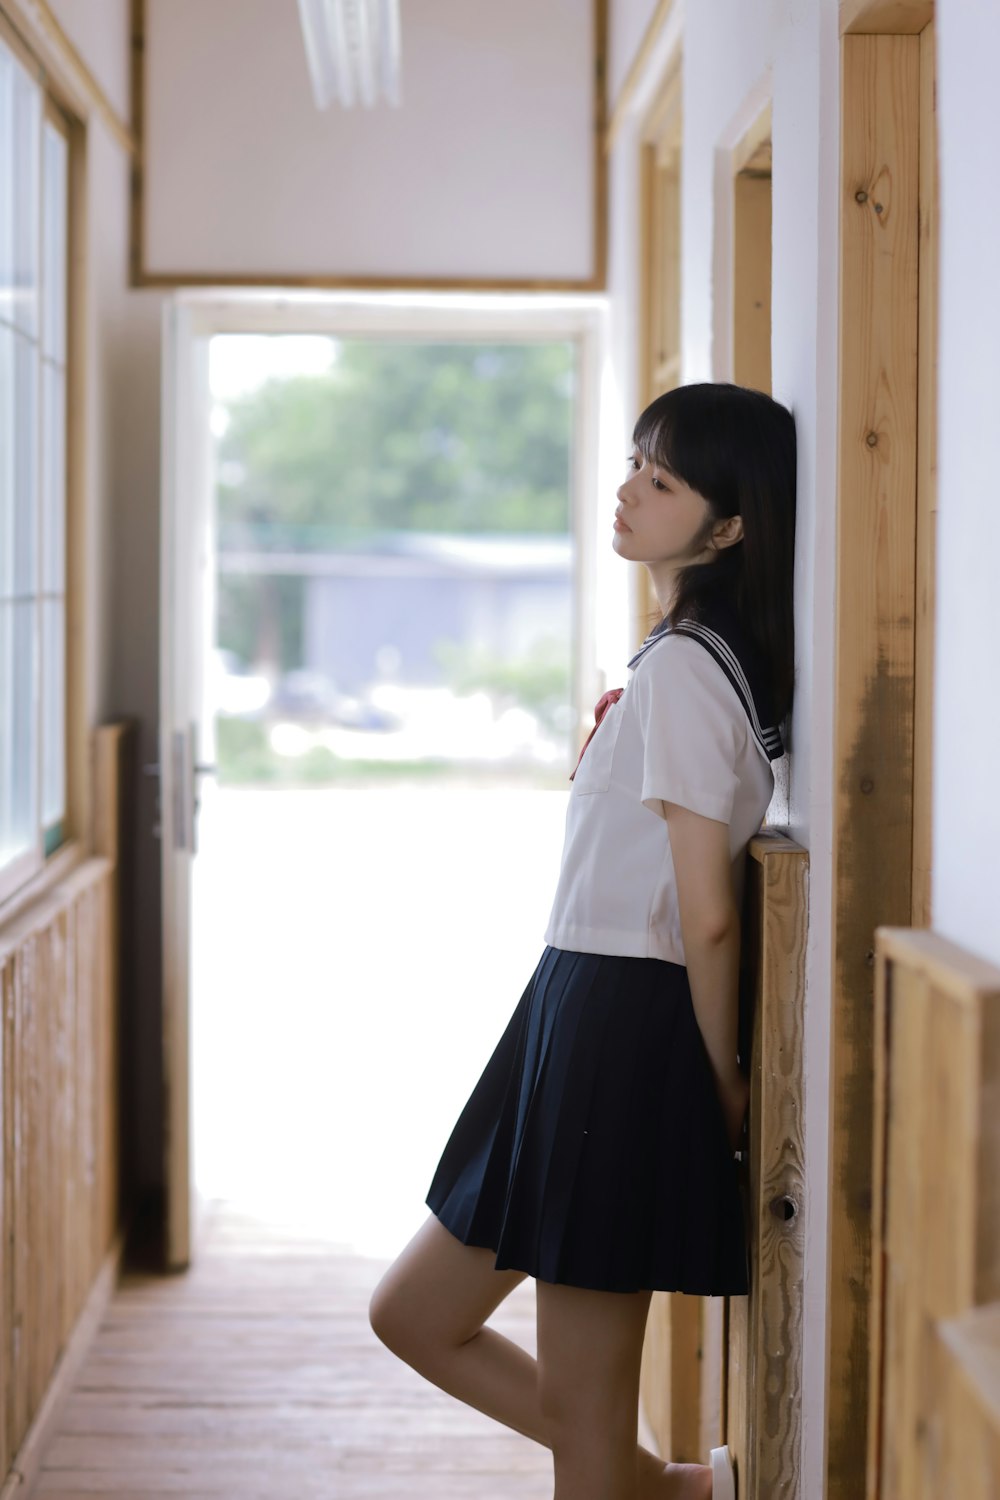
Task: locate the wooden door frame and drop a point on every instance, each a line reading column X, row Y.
column 876, row 643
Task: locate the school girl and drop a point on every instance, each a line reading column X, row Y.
column 596, row 1151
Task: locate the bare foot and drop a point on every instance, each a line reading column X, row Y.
column 688, row 1482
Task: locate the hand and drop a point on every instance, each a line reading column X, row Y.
column 734, row 1097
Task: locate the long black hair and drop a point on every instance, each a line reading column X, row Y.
column 736, row 447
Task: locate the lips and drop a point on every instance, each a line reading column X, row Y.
column 620, row 524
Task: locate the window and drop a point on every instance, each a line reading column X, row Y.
column 34, row 152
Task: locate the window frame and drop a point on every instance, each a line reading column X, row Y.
column 46, row 855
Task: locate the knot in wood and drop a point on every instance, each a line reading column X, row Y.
column 861, row 196
column 871, row 438
column 782, row 1207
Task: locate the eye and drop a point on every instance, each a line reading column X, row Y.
column 631, row 461
column 657, row 485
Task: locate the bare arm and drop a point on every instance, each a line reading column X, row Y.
column 710, row 929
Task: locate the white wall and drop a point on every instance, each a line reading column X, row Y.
column 966, row 828
column 737, row 53
column 486, row 170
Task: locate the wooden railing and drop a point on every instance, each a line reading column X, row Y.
column 59, row 1092
column 934, row 1371
column 729, row 1370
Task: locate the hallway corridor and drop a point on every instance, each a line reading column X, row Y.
column 255, row 1376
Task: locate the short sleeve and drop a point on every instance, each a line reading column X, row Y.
column 693, row 727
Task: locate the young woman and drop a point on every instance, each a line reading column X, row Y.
column 596, row 1151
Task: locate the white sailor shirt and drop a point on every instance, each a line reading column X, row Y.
column 679, row 733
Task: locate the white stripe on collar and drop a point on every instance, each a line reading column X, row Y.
column 769, row 737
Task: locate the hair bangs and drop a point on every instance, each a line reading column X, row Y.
column 675, row 433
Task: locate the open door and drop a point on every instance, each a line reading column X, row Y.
column 185, row 580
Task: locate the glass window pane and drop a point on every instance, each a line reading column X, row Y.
column 20, row 130
column 7, row 429
column 54, row 481
column 26, row 490
column 54, row 240
column 6, row 185
column 18, row 465
column 53, row 699
column 18, row 717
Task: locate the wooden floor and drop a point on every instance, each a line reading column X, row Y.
column 255, row 1374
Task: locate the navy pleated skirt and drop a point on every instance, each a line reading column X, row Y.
column 593, row 1149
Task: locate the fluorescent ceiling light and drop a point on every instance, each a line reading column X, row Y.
column 353, row 50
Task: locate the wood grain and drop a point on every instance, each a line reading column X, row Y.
column 256, row 1373
column 885, row 17
column 876, row 547
column 934, row 1418
column 752, row 279
column 59, row 1162
column 927, row 504
column 763, row 1426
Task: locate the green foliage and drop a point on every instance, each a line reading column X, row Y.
column 245, row 758
column 402, row 436
column 539, row 682
column 244, row 755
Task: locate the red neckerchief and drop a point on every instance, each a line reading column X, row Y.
column 600, row 709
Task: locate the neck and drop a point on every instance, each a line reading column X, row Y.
column 663, row 577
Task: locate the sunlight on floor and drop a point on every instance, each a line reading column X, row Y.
column 357, row 955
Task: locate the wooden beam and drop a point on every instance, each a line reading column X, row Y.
column 885, row 17
column 876, row 543
column 752, row 153
column 927, row 503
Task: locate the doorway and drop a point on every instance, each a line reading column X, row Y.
column 391, row 709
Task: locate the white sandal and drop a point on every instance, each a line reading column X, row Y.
column 723, row 1474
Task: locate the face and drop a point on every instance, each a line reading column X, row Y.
column 662, row 521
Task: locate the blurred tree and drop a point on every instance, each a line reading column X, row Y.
column 401, row 436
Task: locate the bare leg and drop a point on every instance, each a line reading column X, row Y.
column 429, row 1309
column 589, row 1349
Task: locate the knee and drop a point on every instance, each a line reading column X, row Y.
column 395, row 1319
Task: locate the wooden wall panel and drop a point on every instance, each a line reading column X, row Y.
column 59, row 1155
column 934, row 1389
column 963, row 1429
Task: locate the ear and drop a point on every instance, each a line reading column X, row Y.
column 729, row 531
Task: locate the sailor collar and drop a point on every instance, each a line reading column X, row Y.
column 723, row 637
